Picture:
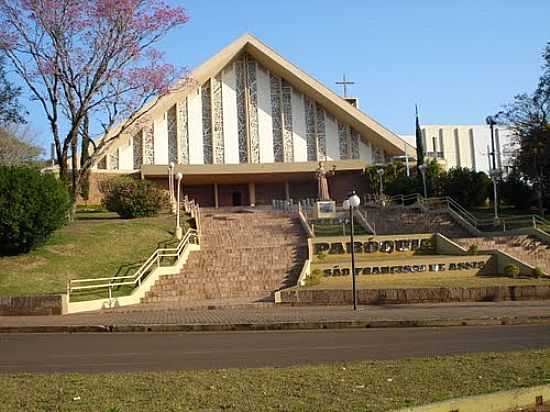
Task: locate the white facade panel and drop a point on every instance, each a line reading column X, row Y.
column 126, row 156
column 194, row 109
column 265, row 122
column 299, row 126
column 160, row 129
column 449, row 145
column 468, row 145
column 333, row 145
column 465, row 149
column 365, row 152
column 230, row 122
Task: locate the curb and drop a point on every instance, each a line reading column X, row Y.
column 491, row 402
column 275, row 326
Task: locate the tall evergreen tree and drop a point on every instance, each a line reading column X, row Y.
column 419, row 142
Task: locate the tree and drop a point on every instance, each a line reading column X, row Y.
column 10, row 109
column 419, row 142
column 16, row 148
column 90, row 63
column 528, row 116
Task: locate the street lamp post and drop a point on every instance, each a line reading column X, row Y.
column 350, row 203
column 493, row 171
column 495, row 174
column 171, row 186
column 179, row 232
column 380, row 173
column 492, row 122
column 422, row 169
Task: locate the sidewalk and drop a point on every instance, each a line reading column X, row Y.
column 277, row 317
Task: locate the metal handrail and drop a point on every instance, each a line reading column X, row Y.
column 452, row 205
column 191, row 208
column 139, row 275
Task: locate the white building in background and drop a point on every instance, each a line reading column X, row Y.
column 466, row 146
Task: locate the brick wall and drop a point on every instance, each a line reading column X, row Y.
column 31, row 305
column 414, row 295
column 203, row 194
column 342, row 183
column 266, row 192
column 95, row 196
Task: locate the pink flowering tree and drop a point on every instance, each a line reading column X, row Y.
column 93, row 66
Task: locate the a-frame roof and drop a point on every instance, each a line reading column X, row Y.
column 306, row 84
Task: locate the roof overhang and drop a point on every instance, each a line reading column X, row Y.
column 251, row 172
column 253, row 168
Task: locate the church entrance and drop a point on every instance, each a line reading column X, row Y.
column 233, row 195
column 237, row 199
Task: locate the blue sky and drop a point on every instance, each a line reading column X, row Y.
column 459, row 60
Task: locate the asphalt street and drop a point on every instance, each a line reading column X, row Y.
column 106, row 352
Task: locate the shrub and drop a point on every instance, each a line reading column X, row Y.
column 32, row 206
column 131, row 198
column 467, row 187
column 517, row 192
column 314, row 278
column 511, row 270
column 473, row 249
column 538, row 272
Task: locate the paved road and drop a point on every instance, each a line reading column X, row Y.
column 157, row 352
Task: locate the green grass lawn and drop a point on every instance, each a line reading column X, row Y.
column 96, row 244
column 337, row 230
column 357, row 386
column 424, row 280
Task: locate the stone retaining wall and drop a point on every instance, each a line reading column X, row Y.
column 412, row 295
column 31, row 305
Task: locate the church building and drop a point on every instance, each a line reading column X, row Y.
column 253, row 127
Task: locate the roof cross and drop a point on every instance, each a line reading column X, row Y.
column 344, row 84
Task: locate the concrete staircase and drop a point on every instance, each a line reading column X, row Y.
column 245, row 257
column 526, row 248
column 401, row 220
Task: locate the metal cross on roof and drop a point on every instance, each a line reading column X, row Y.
column 344, row 84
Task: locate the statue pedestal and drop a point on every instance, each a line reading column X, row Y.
column 324, row 209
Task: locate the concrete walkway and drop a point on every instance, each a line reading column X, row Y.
column 287, row 317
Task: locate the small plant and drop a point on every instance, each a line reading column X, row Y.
column 131, row 198
column 473, row 249
column 314, row 278
column 322, row 255
column 511, row 270
column 538, row 272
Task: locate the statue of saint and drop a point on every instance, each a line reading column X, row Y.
column 322, row 181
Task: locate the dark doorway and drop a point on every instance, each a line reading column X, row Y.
column 237, row 198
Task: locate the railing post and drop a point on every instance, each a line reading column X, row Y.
column 110, row 295
column 534, row 221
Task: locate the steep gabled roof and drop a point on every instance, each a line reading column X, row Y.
column 306, row 84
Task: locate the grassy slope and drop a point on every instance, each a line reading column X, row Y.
column 96, row 244
column 359, row 386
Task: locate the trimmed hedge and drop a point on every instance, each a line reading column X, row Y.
column 32, row 206
column 131, row 198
